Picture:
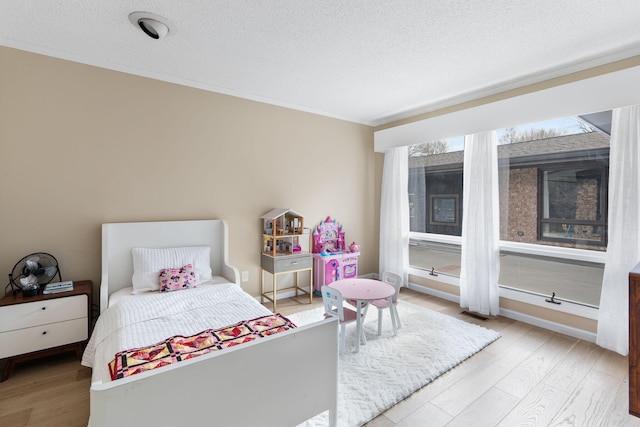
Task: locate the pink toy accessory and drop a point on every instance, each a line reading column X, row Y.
column 328, row 237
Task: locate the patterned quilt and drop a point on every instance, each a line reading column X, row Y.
column 179, row 348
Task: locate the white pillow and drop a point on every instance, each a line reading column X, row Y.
column 148, row 262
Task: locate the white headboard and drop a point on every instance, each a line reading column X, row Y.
column 119, row 238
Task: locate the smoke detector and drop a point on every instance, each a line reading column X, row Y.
column 154, row 26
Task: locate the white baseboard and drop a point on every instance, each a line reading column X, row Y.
column 521, row 317
column 552, row 326
column 510, row 314
column 434, row 292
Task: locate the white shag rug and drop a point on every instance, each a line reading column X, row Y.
column 388, row 369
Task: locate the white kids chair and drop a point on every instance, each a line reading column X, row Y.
column 396, row 281
column 334, row 307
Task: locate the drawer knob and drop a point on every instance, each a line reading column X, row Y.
column 44, row 308
column 44, row 333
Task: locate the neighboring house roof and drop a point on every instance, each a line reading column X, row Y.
column 555, row 149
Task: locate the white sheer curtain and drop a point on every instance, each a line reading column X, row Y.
column 623, row 249
column 480, row 225
column 394, row 213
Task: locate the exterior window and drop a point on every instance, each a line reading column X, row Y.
column 435, row 201
column 444, row 209
column 572, row 204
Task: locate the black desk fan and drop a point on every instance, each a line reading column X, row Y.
column 33, row 271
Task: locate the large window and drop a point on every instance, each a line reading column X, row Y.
column 553, row 214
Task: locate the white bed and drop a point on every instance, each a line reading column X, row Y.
column 280, row 380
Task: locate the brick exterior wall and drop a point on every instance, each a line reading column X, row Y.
column 587, row 203
column 586, row 207
column 522, row 208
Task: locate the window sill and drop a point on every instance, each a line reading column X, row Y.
column 585, row 255
column 568, row 307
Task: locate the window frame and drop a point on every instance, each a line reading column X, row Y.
column 602, row 195
column 456, row 209
column 453, row 173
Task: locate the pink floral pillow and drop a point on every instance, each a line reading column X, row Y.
column 174, row 279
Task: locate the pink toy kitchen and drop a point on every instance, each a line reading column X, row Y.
column 332, row 259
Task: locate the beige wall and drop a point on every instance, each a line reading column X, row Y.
column 81, row 146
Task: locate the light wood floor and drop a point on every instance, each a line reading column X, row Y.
column 529, row 377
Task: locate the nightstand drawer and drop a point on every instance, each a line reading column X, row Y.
column 25, row 315
column 286, row 263
column 42, row 337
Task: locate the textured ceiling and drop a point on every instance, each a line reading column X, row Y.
column 368, row 61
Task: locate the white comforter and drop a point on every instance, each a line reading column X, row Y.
column 149, row 318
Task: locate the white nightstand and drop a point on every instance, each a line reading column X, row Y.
column 38, row 326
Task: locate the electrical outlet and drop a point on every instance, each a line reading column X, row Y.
column 245, row 276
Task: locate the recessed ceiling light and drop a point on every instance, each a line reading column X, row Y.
column 154, row 26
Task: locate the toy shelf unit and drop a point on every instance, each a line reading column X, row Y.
column 332, row 259
column 285, row 250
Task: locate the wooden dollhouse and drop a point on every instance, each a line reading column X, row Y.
column 332, row 259
column 282, row 230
